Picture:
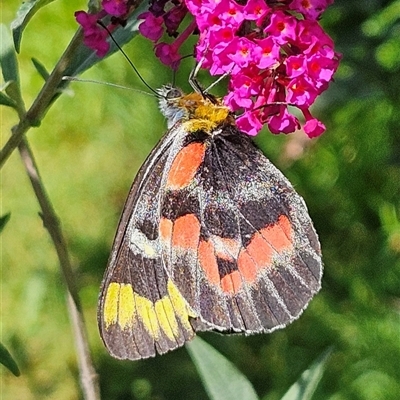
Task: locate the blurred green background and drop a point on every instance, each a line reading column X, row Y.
column 89, row 147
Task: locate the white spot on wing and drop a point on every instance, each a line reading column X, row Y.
column 140, row 244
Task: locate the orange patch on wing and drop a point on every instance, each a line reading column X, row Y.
column 185, row 166
column 286, row 226
column 260, row 250
column 165, row 230
column 258, row 254
column 247, row 266
column 232, row 282
column 279, row 234
column 186, row 232
column 208, row 261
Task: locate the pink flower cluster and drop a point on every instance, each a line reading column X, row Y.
column 275, row 52
column 94, row 35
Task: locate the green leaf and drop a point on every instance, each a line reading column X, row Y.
column 26, row 11
column 8, row 361
column 222, row 380
column 7, row 101
column 41, row 69
column 8, row 57
column 9, row 69
column 306, row 385
column 3, row 221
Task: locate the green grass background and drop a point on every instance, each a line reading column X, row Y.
column 89, row 147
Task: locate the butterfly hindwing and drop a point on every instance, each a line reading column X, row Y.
column 237, row 238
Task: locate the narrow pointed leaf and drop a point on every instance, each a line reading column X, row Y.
column 25, row 12
column 7, row 101
column 306, row 385
column 8, row 57
column 7, row 360
column 222, row 380
column 40, row 68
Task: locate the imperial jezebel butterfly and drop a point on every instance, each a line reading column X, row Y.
column 212, row 237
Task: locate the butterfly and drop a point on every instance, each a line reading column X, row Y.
column 212, row 237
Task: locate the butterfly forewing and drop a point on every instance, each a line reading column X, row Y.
column 141, row 312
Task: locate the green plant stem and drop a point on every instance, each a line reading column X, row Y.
column 50, row 91
column 88, row 376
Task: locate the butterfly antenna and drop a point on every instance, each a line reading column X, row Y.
column 194, row 83
column 217, row 81
column 174, row 70
column 76, row 79
column 128, row 59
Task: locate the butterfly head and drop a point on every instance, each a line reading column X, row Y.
column 176, row 106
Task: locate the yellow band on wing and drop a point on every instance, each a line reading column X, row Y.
column 110, row 310
column 123, row 306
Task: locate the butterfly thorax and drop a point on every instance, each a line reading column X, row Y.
column 196, row 110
